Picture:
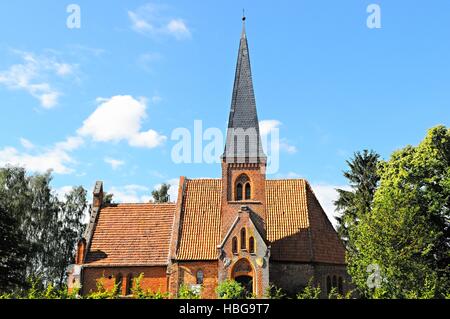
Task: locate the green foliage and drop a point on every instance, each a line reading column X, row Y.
column 37, row 290
column 102, row 292
column 161, row 195
column 13, row 252
column 185, row 292
column 272, row 292
column 334, row 294
column 407, row 231
column 310, row 291
column 355, row 203
column 42, row 229
column 230, row 289
column 139, row 293
column 107, row 199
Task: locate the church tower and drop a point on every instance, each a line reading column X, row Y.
column 243, row 161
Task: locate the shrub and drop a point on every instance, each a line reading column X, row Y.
column 186, row 292
column 102, row 292
column 139, row 293
column 310, row 292
column 272, row 292
column 230, row 289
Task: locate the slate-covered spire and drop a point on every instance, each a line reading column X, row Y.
column 243, row 137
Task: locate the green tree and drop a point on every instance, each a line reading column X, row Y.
column 70, row 229
column 407, row 232
column 13, row 253
column 161, row 195
column 107, row 199
column 50, row 227
column 355, row 203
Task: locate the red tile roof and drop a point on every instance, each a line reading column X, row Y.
column 132, row 234
column 200, row 220
column 297, row 226
column 140, row 234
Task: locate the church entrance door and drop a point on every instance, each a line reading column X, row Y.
column 243, row 274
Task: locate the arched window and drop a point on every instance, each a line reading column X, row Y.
column 328, row 285
column 341, row 286
column 334, row 282
column 234, row 245
column 243, row 239
column 200, row 276
column 129, row 284
column 241, row 186
column 239, row 191
column 119, row 280
column 248, row 191
column 251, row 245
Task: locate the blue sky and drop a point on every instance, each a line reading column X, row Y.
column 101, row 102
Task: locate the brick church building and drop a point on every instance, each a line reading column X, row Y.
column 242, row 226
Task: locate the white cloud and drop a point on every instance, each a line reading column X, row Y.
column 70, row 144
column 327, row 195
column 149, row 20
column 120, row 118
column 32, row 75
column 178, row 29
column 61, row 192
column 26, row 143
column 41, row 160
column 54, row 159
column 267, row 126
column 115, row 164
column 130, row 194
column 149, row 139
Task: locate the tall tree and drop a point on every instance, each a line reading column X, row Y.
column 355, row 203
column 406, row 234
column 161, row 195
column 51, row 227
column 13, row 253
column 70, row 229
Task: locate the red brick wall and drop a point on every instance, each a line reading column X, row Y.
column 230, row 207
column 155, row 278
column 187, row 274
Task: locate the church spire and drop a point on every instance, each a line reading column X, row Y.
column 243, row 137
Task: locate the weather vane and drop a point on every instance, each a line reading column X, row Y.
column 243, row 15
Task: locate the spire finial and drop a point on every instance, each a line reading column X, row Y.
column 243, row 24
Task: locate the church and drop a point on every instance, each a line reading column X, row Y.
column 242, row 226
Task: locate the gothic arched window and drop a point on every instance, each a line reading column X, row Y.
column 239, row 191
column 200, row 277
column 234, row 245
column 129, row 284
column 243, row 238
column 248, row 191
column 243, row 188
column 119, row 280
column 328, row 285
column 251, row 245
